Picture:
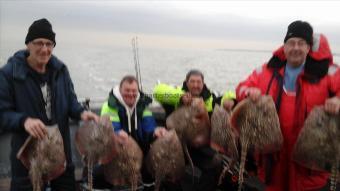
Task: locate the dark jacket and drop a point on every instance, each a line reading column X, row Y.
column 20, row 97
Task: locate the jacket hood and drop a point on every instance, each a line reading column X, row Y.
column 116, row 99
column 320, row 49
column 120, row 99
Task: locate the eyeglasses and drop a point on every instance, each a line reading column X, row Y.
column 41, row 44
column 292, row 43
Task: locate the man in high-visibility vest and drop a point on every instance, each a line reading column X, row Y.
column 205, row 158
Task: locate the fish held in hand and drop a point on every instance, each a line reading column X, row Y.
column 165, row 159
column 125, row 167
column 258, row 126
column 223, row 138
column 45, row 158
column 191, row 123
column 318, row 144
column 94, row 142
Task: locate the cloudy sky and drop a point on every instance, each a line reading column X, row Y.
column 241, row 24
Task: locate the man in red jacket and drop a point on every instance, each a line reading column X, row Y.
column 299, row 76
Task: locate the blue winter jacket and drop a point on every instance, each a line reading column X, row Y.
column 146, row 123
column 20, row 97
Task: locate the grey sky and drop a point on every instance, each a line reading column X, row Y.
column 170, row 24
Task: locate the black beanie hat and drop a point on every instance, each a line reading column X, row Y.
column 300, row 29
column 40, row 29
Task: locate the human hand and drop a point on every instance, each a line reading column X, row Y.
column 35, row 127
column 332, row 105
column 88, row 115
column 122, row 136
column 253, row 93
column 186, row 99
column 160, row 132
column 228, row 104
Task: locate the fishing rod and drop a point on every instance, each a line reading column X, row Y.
column 136, row 62
column 134, row 42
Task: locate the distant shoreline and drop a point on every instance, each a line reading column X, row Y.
column 241, row 50
column 250, row 50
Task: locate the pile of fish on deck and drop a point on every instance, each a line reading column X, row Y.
column 251, row 125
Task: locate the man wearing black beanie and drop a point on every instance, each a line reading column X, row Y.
column 37, row 92
column 298, row 78
column 300, row 29
column 41, row 28
column 297, row 42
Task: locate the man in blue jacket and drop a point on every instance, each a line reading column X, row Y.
column 36, row 91
column 129, row 114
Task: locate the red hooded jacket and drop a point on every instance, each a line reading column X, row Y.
column 319, row 80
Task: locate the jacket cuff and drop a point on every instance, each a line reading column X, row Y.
column 81, row 110
column 22, row 121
